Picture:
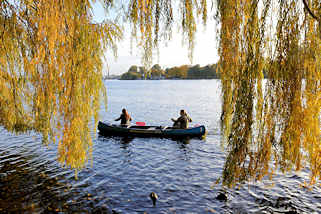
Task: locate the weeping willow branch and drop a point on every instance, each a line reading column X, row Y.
column 306, row 6
column 288, row 130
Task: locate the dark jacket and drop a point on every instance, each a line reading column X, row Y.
column 182, row 122
column 123, row 120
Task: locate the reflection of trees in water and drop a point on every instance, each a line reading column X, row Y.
column 26, row 188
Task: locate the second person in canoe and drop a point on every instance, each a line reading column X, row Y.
column 182, row 121
column 124, row 118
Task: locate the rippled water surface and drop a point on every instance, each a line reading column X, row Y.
column 125, row 171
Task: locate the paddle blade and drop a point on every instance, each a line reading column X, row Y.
column 140, row 123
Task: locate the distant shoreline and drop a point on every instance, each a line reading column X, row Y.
column 104, row 78
column 180, row 72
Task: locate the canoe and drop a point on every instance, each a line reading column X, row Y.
column 108, row 129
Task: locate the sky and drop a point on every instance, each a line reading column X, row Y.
column 174, row 53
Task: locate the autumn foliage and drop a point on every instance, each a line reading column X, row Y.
column 51, row 81
column 50, row 72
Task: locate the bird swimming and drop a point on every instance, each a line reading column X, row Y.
column 154, row 197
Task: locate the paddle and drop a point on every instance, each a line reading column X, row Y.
column 140, row 123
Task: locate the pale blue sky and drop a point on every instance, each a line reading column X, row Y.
column 172, row 54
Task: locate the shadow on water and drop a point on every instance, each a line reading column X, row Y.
column 124, row 141
column 183, row 144
column 26, row 188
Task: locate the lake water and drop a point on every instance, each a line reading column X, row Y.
column 124, row 172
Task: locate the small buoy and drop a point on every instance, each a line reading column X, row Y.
column 154, row 197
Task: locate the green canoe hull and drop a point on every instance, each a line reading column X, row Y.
column 107, row 129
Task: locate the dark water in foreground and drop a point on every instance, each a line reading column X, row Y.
column 124, row 172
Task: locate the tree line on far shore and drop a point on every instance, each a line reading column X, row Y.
column 180, row 72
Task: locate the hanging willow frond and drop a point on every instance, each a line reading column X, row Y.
column 282, row 134
column 51, row 72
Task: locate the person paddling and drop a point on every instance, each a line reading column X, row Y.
column 182, row 121
column 124, row 118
